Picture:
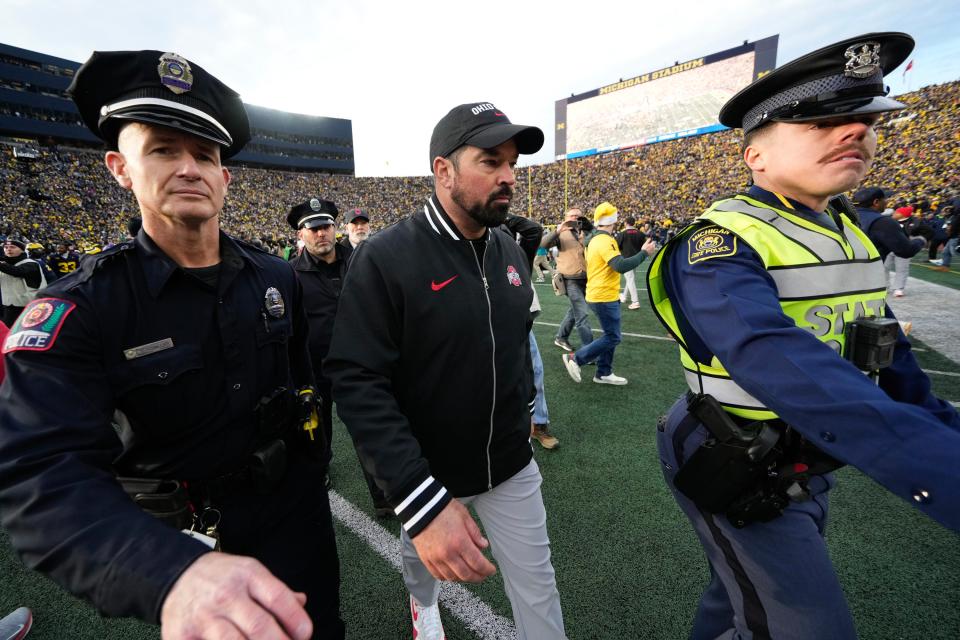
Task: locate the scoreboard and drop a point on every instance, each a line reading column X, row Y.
column 677, row 101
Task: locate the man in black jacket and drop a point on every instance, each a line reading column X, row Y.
column 630, row 241
column 431, row 372
column 887, row 235
column 321, row 268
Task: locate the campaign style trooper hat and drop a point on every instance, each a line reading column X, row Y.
column 481, row 125
column 154, row 87
column 841, row 79
column 312, row 214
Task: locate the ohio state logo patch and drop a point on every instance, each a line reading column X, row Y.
column 38, row 326
column 513, row 277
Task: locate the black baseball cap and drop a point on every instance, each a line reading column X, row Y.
column 480, row 124
column 357, row 213
column 868, row 194
column 312, row 214
column 113, row 87
column 844, row 78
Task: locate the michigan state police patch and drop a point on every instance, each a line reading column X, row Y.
column 712, row 242
column 38, row 326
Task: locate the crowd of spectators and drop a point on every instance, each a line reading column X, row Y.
column 67, row 194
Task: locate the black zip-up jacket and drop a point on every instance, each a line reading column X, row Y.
column 631, row 241
column 430, row 362
column 321, row 284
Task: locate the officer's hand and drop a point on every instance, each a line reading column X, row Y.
column 451, row 546
column 227, row 596
column 650, row 247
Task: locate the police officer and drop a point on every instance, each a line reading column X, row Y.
column 321, row 268
column 183, row 382
column 762, row 292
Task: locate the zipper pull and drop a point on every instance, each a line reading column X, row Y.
column 266, row 325
column 485, row 285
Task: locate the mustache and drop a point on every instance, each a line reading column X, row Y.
column 847, row 148
column 503, row 192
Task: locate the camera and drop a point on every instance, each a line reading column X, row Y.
column 582, row 224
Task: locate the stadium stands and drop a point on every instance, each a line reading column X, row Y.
column 66, row 193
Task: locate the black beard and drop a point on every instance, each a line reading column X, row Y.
column 488, row 214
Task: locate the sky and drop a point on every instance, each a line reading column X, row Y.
column 395, row 68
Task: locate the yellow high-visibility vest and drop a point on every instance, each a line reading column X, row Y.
column 824, row 280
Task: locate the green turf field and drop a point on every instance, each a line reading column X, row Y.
column 922, row 269
column 628, row 564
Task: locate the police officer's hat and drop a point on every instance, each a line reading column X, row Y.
column 312, row 214
column 114, row 87
column 842, row 79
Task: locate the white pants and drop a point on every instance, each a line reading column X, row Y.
column 631, row 287
column 515, row 523
column 900, row 268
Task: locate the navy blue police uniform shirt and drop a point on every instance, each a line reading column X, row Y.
column 184, row 361
column 896, row 432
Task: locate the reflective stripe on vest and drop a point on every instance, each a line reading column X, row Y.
column 824, row 280
column 15, row 292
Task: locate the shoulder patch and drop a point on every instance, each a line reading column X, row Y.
column 711, row 242
column 39, row 325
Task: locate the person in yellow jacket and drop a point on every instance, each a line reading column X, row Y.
column 604, row 266
column 774, row 297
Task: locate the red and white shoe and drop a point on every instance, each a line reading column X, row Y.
column 16, row 625
column 426, row 621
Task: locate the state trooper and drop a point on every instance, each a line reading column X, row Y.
column 183, row 388
column 776, row 300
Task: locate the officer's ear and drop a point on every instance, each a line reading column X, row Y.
column 117, row 165
column 226, row 176
column 754, row 151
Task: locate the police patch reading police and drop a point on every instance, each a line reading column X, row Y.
column 712, row 242
column 38, row 326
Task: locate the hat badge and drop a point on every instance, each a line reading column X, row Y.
column 175, row 73
column 314, row 204
column 863, row 60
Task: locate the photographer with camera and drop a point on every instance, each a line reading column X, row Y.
column 571, row 276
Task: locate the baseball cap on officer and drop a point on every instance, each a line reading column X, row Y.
column 869, row 194
column 114, row 87
column 480, row 124
column 357, row 214
column 842, row 79
column 312, row 214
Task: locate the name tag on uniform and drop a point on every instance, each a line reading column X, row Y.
column 147, row 349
